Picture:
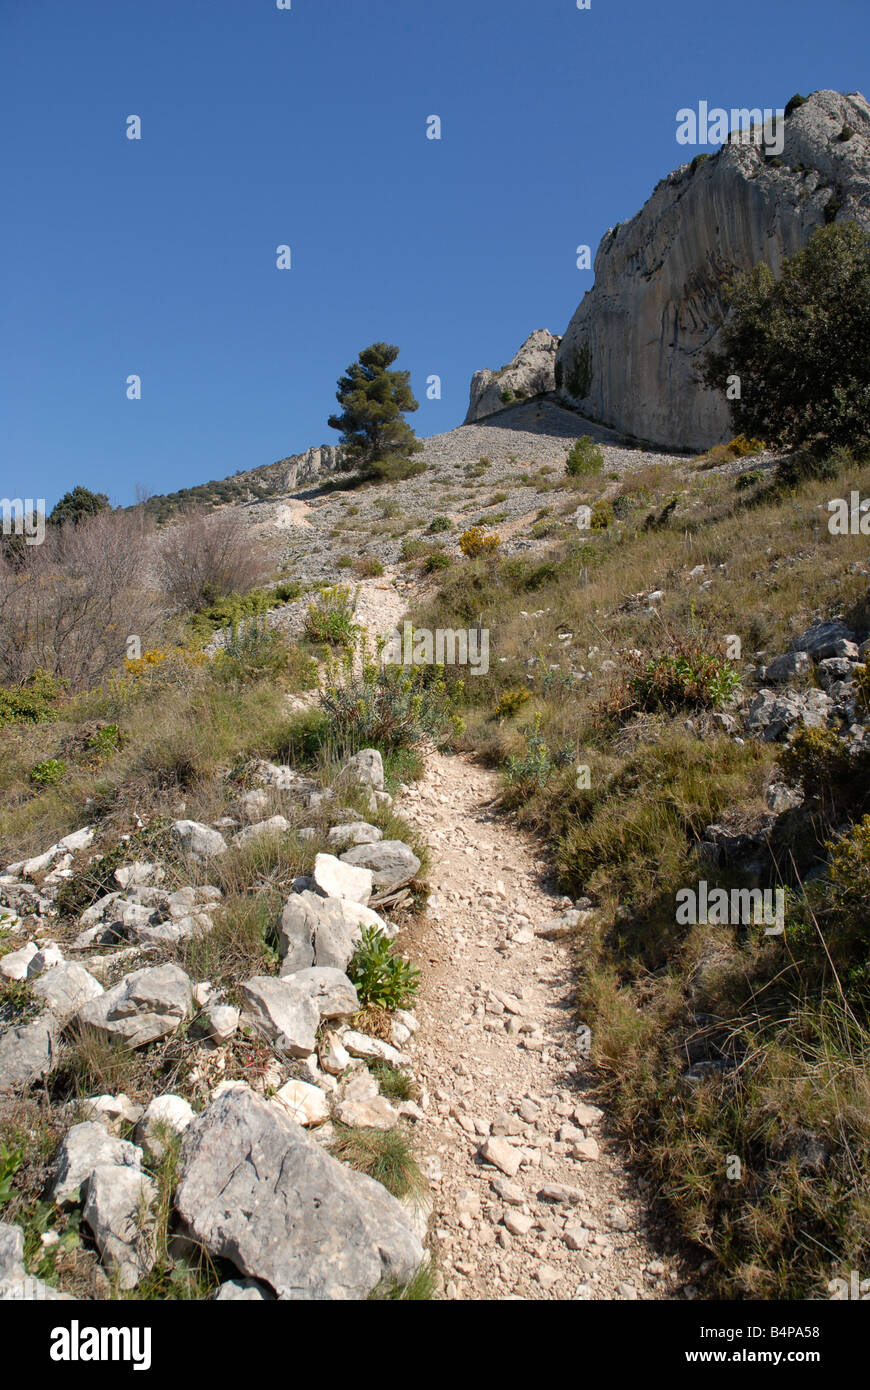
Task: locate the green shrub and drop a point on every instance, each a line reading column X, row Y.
column 601, row 517
column 386, row 706
column 330, row 618
column 833, row 779
column 34, row 702
column 383, row 980
column 801, row 340
column 526, row 776
column 688, row 678
column 438, row 560
column 749, row 479
column 252, row 650
column 440, row 523
column 48, row 773
column 811, row 464
column 585, row 457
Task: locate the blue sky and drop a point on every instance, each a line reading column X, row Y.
column 307, row 127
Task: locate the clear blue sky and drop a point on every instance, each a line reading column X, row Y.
column 308, row 127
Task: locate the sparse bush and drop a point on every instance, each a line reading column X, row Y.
column 440, row 523
column 367, row 567
column 208, row 556
column 386, row 706
column 584, row 458
column 511, row 701
column 253, row 650
column 330, row 618
column 526, row 776
column 68, row 605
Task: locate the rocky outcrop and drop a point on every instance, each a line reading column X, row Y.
column 629, row 355
column 300, row 469
column 529, row 373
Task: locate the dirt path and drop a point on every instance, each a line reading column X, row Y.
column 498, row 1058
column 498, row 1053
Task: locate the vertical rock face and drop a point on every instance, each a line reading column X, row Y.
column 315, row 463
column 530, row 373
column 629, row 355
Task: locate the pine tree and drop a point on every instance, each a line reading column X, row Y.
column 76, row 505
column 374, row 400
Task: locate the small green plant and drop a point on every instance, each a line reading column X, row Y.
column 105, row 740
column 34, row 702
column 440, row 523
column 749, row 479
column 11, row 1160
column 392, row 1082
column 330, row 619
column 526, row 776
column 383, row 979
column 48, row 773
column 419, row 1289
column 438, row 560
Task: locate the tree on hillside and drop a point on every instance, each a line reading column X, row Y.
column 76, row 505
column 374, row 401
column 800, row 345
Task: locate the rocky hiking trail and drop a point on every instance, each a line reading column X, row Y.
column 532, row 1197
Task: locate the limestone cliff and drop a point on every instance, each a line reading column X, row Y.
column 530, row 373
column 629, row 355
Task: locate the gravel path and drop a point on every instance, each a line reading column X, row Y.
column 551, row 1210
